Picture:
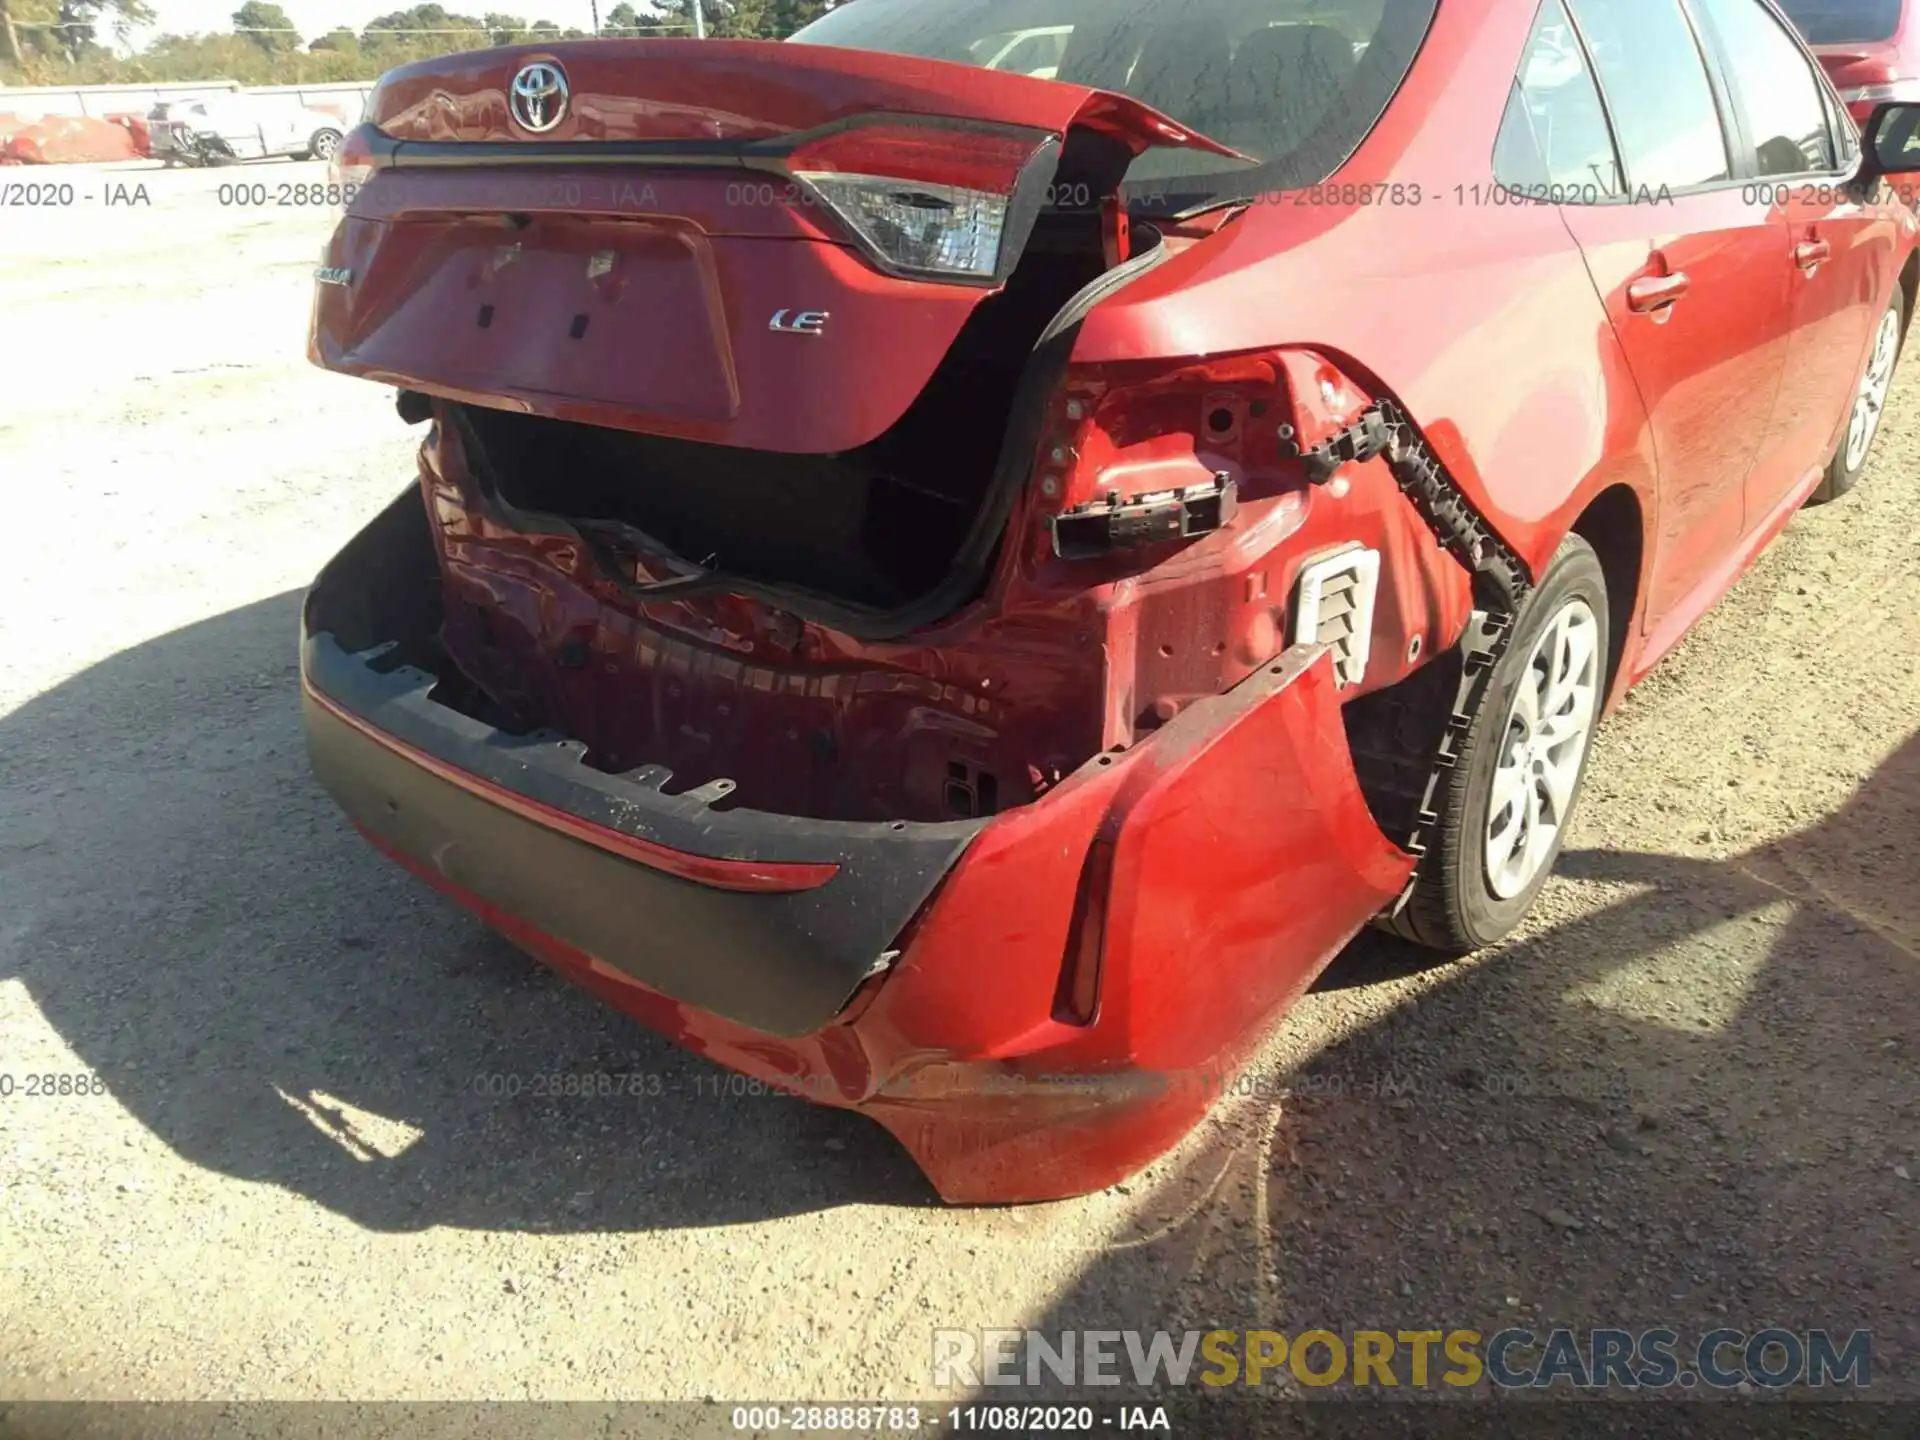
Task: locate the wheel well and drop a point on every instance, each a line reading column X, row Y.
column 1393, row 734
column 1613, row 525
column 1909, row 287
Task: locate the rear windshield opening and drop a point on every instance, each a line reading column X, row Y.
column 1843, row 22
column 1294, row 84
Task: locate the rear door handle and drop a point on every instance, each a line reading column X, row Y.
column 1652, row 293
column 1809, row 255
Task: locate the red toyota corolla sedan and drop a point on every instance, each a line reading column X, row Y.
column 1870, row 48
column 956, row 592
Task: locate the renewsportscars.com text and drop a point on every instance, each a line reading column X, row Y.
column 1511, row 1359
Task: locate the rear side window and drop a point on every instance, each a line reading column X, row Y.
column 1840, row 125
column 1843, row 22
column 1657, row 92
column 1554, row 143
column 1293, row 84
column 1774, row 86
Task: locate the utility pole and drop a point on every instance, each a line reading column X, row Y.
column 699, row 18
column 594, row 5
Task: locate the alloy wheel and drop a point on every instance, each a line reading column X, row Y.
column 1872, row 397
column 1549, row 727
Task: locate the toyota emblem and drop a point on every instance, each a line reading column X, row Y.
column 538, row 97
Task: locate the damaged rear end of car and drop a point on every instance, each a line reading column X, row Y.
column 803, row 639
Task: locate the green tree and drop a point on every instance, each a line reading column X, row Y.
column 788, row 16
column 676, row 16
column 623, row 21
column 9, row 34
column 741, row 20
column 48, row 54
column 428, row 29
column 266, row 25
column 505, row 29
column 69, row 28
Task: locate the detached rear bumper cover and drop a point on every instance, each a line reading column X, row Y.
column 768, row 920
column 1235, row 855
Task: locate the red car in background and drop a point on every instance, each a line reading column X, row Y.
column 956, row 593
column 1871, row 48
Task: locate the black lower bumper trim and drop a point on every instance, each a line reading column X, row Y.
column 784, row 962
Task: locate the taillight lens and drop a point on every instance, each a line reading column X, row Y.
column 352, row 162
column 928, row 229
column 926, row 200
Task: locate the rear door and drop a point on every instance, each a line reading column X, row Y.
column 279, row 119
column 1837, row 246
column 160, row 130
column 1693, row 276
column 236, row 120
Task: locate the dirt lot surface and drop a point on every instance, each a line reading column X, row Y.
column 1686, row 1095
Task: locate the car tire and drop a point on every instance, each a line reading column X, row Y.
column 1850, row 458
column 1485, row 866
column 323, row 145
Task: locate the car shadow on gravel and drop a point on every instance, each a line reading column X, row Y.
column 278, row 1003
column 1694, row 1105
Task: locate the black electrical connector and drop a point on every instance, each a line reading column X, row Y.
column 1115, row 524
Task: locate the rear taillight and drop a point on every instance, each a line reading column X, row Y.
column 930, row 200
column 921, row 228
column 352, row 162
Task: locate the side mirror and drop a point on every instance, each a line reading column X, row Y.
column 1891, row 140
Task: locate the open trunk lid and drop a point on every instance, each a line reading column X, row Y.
column 737, row 90
column 704, row 239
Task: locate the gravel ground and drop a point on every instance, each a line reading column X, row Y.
column 1685, row 1095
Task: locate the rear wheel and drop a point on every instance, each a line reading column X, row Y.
column 1869, row 402
column 323, row 144
column 1505, row 806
